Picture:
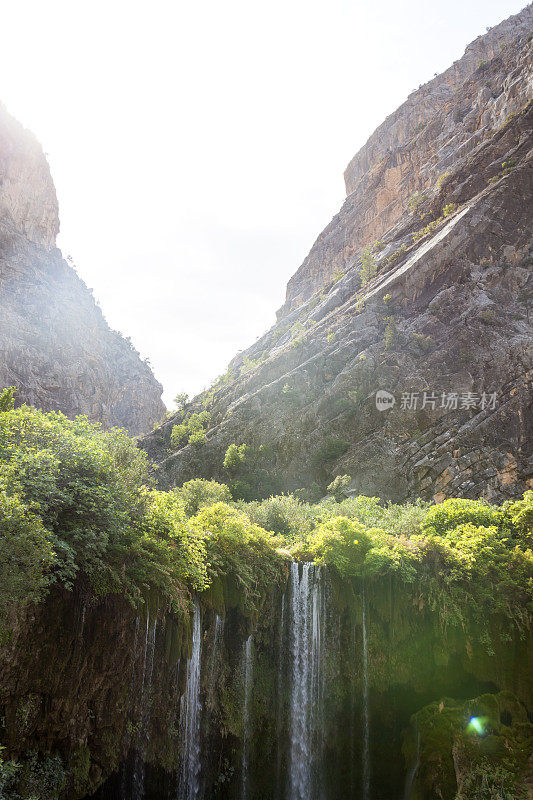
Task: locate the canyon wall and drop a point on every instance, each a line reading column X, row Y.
column 436, row 311
column 434, row 132
column 55, row 345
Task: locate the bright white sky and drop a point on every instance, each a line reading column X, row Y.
column 198, row 147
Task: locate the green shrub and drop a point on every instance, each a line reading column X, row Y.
column 390, row 336
column 78, row 496
column 517, row 520
column 39, row 777
column 8, row 775
column 235, row 457
column 369, row 265
column 415, row 201
column 337, row 487
column 7, row 399
column 490, row 781
column 190, row 431
column 441, row 180
column 240, row 550
column 197, row 493
column 341, row 543
column 449, row 209
column 283, row 514
column 26, row 556
column 179, row 436
column 443, row 518
column 197, row 438
column 329, row 450
column 181, row 400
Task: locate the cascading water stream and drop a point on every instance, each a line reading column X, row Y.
column 366, row 710
column 247, row 657
column 279, row 715
column 353, row 715
column 141, row 747
column 307, row 623
column 414, row 769
column 219, row 629
column 189, row 779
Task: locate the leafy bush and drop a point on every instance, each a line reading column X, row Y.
column 329, row 450
column 197, row 439
column 391, row 333
column 369, row 265
column 449, row 209
column 517, row 520
column 241, row 551
column 342, row 543
column 337, row 486
column 179, row 436
column 75, row 506
column 25, row 558
column 490, row 781
column 190, row 431
column 283, row 514
column 235, row 457
column 445, row 517
column 8, row 774
column 197, row 493
column 39, row 777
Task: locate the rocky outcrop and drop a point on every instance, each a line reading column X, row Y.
column 444, row 326
column 432, row 134
column 55, row 345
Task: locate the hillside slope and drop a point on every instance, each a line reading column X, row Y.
column 440, row 209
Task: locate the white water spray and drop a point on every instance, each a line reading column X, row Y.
column 141, row 747
column 190, row 708
column 366, row 710
column 414, row 769
column 279, row 715
column 219, row 629
column 307, row 691
column 247, row 655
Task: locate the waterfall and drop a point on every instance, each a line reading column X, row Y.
column 141, row 747
column 414, row 769
column 190, row 708
column 219, row 628
column 307, row 690
column 279, row 715
column 247, row 655
column 353, row 645
column 366, row 710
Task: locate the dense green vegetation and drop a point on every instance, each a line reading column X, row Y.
column 191, row 429
column 78, row 509
column 77, row 504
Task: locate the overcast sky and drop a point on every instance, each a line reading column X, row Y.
column 198, row 148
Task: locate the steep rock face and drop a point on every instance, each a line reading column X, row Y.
column 431, row 134
column 55, row 345
column 446, row 314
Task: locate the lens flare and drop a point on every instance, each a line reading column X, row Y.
column 476, row 724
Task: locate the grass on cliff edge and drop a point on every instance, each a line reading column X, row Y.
column 78, row 508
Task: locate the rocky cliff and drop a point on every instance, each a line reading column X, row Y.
column 55, row 345
column 421, row 287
